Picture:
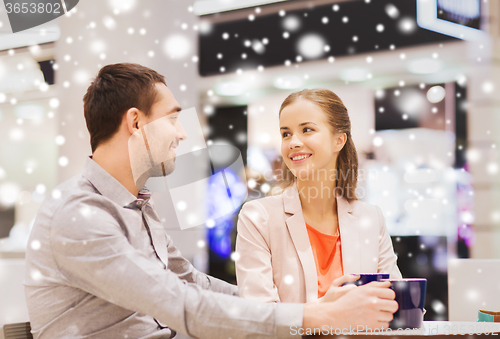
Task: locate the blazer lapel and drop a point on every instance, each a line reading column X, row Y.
column 300, row 238
column 349, row 235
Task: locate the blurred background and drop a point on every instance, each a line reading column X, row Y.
column 419, row 78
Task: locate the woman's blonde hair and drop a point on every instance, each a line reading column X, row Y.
column 338, row 118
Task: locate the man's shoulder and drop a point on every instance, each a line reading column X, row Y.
column 74, row 197
column 75, row 189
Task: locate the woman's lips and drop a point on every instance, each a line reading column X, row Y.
column 301, row 160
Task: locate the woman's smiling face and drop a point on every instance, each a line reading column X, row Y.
column 307, row 141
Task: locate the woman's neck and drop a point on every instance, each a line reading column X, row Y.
column 317, row 197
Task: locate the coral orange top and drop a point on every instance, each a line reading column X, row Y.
column 328, row 257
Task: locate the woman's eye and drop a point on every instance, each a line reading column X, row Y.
column 307, row 129
column 285, row 134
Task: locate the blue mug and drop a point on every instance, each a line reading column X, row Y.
column 365, row 278
column 488, row 316
column 410, row 295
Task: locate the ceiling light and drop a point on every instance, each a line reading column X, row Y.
column 19, row 73
column 411, row 102
column 407, row 25
column 288, row 82
column 177, row 46
column 29, row 112
column 122, row 5
column 230, row 89
column 258, row 47
column 424, row 66
column 9, row 192
column 435, row 94
column 311, row 46
column 204, row 7
column 34, row 36
column 392, row 11
column 291, row 23
column 354, row 74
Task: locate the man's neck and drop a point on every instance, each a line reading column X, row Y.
column 115, row 160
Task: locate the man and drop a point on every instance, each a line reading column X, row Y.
column 100, row 265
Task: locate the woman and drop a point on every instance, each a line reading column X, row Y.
column 294, row 245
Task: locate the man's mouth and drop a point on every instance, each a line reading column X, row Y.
column 172, row 148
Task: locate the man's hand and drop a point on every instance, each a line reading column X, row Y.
column 368, row 306
column 336, row 290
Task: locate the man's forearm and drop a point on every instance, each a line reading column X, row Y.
column 221, row 286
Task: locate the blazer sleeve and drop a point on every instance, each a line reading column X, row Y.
column 387, row 262
column 254, row 272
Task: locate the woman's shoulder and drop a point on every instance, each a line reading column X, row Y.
column 261, row 214
column 270, row 204
column 360, row 208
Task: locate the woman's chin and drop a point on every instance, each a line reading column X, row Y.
column 302, row 174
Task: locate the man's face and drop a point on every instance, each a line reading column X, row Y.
column 163, row 131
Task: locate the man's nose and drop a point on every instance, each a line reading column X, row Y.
column 181, row 133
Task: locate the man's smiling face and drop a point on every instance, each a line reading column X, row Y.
column 163, row 131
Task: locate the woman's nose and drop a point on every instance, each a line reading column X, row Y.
column 295, row 142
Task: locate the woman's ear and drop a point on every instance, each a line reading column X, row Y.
column 132, row 120
column 340, row 141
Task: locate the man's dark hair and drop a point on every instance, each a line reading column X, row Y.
column 115, row 90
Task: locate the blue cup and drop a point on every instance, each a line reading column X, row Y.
column 410, row 295
column 488, row 316
column 365, row 278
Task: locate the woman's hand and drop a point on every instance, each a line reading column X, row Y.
column 336, row 290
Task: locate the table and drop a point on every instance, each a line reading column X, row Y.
column 435, row 329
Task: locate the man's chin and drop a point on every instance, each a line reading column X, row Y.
column 158, row 171
column 163, row 169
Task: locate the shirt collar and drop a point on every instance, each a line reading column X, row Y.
column 111, row 188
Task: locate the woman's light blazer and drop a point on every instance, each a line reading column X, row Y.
column 276, row 262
